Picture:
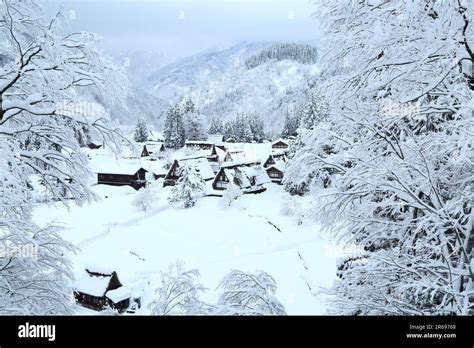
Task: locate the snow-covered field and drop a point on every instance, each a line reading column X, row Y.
column 211, row 237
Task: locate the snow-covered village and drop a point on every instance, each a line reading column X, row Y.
column 320, row 165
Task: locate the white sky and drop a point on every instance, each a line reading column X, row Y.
column 184, row 27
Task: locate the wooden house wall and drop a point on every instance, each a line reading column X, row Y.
column 221, row 181
column 279, row 145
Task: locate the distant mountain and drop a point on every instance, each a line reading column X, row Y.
column 140, row 64
column 301, row 53
column 266, row 78
column 173, row 81
column 271, row 89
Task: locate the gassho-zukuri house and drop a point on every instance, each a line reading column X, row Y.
column 99, row 288
column 201, row 164
column 153, row 149
column 249, row 177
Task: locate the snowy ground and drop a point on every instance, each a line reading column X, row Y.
column 211, row 237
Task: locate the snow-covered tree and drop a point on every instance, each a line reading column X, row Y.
column 188, row 186
column 249, row 294
column 228, row 130
column 216, row 126
column 232, row 194
column 290, row 126
column 247, row 136
column 145, row 198
column 179, row 292
column 305, row 54
column 257, row 127
column 141, row 131
column 174, row 131
column 196, row 128
column 314, row 111
column 44, row 76
column 392, row 165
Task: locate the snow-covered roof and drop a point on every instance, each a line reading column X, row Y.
column 215, row 138
column 277, row 153
column 114, row 167
column 239, row 163
column 281, row 140
column 198, row 142
column 258, row 172
column 203, row 167
column 156, row 167
column 119, row 294
column 281, row 166
column 101, row 269
column 92, row 285
column 154, row 146
column 244, row 174
column 232, row 174
column 156, row 136
column 238, row 156
column 220, row 154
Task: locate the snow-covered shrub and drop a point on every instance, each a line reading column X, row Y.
column 188, row 186
column 179, row 292
column 145, row 197
column 231, row 194
column 248, row 294
column 293, row 207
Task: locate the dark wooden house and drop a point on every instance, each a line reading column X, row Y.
column 122, row 176
column 92, row 290
column 276, row 172
column 280, row 144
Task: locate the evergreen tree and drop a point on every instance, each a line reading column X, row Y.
column 175, row 133
column 247, row 136
column 188, row 186
column 195, row 126
column 228, row 130
column 187, row 106
column 314, row 111
column 286, row 131
column 257, row 127
column 216, row 126
column 141, row 131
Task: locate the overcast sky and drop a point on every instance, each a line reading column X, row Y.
column 184, row 27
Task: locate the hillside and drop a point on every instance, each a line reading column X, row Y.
column 176, row 79
column 257, row 77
